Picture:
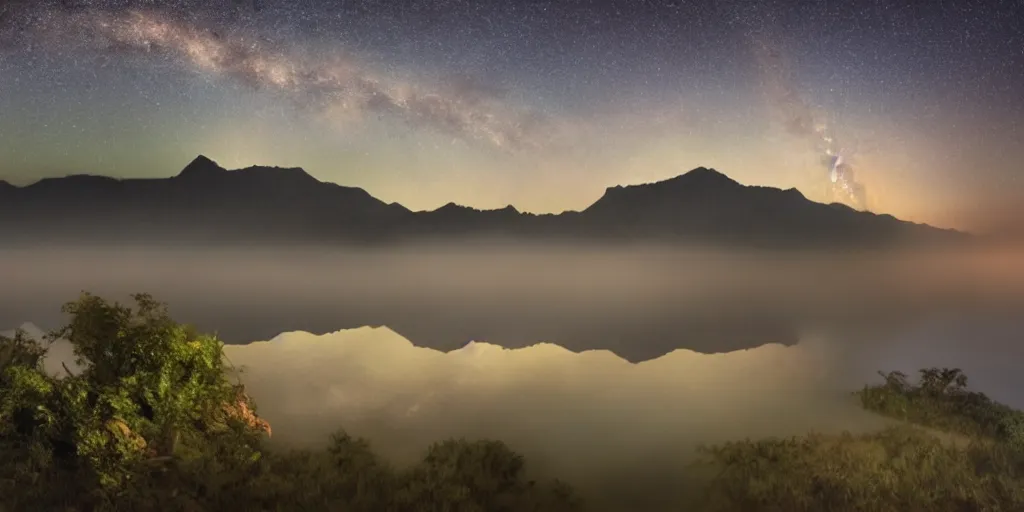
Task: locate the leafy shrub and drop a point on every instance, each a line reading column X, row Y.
column 941, row 400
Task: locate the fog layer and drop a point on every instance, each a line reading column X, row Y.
column 639, row 302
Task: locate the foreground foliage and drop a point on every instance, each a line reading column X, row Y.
column 941, row 400
column 153, row 422
column 899, row 468
column 904, row 467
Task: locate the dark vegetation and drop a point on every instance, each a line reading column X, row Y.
column 155, row 421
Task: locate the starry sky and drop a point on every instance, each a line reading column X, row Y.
column 910, row 108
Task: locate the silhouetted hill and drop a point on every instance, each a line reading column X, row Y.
column 707, row 205
column 210, row 204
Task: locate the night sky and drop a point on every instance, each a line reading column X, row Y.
column 540, row 104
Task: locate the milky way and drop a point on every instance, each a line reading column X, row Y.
column 540, row 104
column 802, row 120
column 342, row 84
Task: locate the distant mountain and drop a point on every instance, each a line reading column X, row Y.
column 206, row 203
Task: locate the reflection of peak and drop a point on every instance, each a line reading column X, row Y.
column 452, row 207
column 477, row 348
column 368, row 340
column 31, row 331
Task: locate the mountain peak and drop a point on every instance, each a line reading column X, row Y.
column 698, row 182
column 298, row 174
column 702, row 176
column 201, row 166
column 698, row 178
column 793, row 191
column 451, row 206
column 204, row 168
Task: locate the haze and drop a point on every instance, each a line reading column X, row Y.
column 255, row 293
column 848, row 315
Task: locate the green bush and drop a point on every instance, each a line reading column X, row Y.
column 941, row 400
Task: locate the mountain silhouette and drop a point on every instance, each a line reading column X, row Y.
column 209, row 204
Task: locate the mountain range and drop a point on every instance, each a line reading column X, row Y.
column 206, row 203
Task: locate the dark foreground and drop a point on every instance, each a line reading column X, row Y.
column 157, row 421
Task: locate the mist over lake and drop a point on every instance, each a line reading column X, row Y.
column 639, row 302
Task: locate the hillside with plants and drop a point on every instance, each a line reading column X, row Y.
column 156, row 421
